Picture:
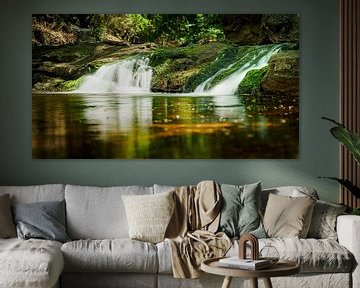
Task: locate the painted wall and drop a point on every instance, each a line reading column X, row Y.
column 318, row 97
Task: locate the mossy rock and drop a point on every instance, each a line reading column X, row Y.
column 283, row 75
column 251, row 83
column 73, row 84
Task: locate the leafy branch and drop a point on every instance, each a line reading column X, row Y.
column 351, row 142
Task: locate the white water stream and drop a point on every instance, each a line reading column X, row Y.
column 127, row 76
column 230, row 84
column 134, row 75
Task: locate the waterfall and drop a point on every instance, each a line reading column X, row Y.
column 127, row 76
column 229, row 85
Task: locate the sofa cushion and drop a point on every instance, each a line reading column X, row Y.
column 7, row 226
column 287, row 216
column 291, row 191
column 109, row 280
column 35, row 193
column 98, row 212
column 240, row 210
column 313, row 255
column 43, row 220
column 323, row 222
column 116, row 255
column 30, row 263
column 149, row 215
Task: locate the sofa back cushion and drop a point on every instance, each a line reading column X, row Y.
column 35, row 193
column 98, row 212
column 291, row 191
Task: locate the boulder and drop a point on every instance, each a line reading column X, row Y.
column 282, row 77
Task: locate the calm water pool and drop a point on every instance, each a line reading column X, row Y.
column 162, row 126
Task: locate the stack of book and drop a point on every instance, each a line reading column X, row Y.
column 248, row 264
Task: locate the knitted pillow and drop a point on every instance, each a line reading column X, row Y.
column 149, row 215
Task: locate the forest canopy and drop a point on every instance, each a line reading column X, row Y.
column 164, row 29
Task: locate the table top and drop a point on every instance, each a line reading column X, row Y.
column 281, row 268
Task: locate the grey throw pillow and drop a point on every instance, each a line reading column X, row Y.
column 240, row 213
column 44, row 220
column 323, row 222
column 7, row 226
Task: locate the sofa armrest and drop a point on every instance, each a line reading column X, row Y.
column 348, row 230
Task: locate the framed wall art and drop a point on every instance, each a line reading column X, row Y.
column 165, row 86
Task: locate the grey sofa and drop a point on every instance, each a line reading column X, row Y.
column 101, row 254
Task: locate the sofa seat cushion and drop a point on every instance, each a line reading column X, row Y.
column 110, row 255
column 313, row 255
column 30, row 263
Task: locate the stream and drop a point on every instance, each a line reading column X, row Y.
column 114, row 114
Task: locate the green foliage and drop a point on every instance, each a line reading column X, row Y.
column 98, row 25
column 72, row 84
column 133, row 28
column 351, row 141
column 355, row 211
column 164, row 29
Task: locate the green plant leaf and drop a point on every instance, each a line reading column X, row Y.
column 348, row 138
column 348, row 185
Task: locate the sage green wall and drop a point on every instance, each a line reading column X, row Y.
column 318, row 97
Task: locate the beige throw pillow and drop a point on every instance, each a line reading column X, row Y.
column 7, row 226
column 149, row 215
column 288, row 217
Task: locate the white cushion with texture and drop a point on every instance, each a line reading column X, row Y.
column 116, row 255
column 30, row 263
column 149, row 215
column 313, row 255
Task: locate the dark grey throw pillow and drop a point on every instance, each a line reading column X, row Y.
column 7, row 226
column 240, row 213
column 44, row 220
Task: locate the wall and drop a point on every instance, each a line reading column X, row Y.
column 318, row 97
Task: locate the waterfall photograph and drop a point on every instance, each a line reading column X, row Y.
column 165, row 86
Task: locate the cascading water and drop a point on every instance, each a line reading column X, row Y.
column 229, row 85
column 127, row 76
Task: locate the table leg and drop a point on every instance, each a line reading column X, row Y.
column 254, row 282
column 227, row 282
column 267, row 283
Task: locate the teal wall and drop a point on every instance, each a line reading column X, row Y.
column 318, row 97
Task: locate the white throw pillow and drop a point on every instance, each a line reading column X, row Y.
column 149, row 215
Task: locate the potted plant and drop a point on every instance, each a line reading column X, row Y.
column 351, row 141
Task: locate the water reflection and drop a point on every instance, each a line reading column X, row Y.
column 160, row 126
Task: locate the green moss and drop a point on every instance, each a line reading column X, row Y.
column 72, row 84
column 251, row 83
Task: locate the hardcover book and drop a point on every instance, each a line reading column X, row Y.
column 249, row 264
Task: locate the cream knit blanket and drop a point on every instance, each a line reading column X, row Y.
column 191, row 231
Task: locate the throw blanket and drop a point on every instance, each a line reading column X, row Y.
column 191, row 231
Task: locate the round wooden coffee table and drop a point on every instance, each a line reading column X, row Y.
column 281, row 268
